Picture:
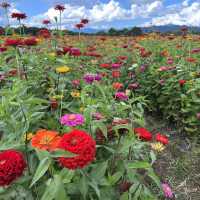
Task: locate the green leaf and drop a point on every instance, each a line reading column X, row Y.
column 41, row 170
column 83, row 186
column 62, row 153
column 139, row 165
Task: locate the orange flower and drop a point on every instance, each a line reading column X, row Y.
column 45, row 140
column 117, row 85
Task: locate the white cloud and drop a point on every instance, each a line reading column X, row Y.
column 184, row 14
column 99, row 13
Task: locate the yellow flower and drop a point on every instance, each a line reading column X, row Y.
column 75, row 94
column 63, row 69
column 52, row 54
column 29, row 136
column 157, row 146
column 81, row 109
column 58, row 97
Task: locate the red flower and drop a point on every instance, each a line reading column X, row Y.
column 105, row 65
column 13, row 42
column 44, row 33
column 143, row 134
column 2, row 49
column 80, row 143
column 162, row 138
column 84, row 21
column 19, row 16
column 79, row 26
column 61, row 8
column 46, row 22
column 116, row 74
column 54, row 104
column 182, row 82
column 12, row 165
column 30, row 41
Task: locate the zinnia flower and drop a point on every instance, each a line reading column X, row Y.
column 45, row 140
column 167, row 191
column 80, row 143
column 12, row 165
column 46, row 22
column 19, row 16
column 30, row 41
column 182, row 82
column 157, row 146
column 60, row 8
column 143, row 134
column 162, row 138
column 13, row 42
column 121, row 96
column 62, row 69
column 72, row 119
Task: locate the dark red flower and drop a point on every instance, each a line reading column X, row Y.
column 12, row 165
column 143, row 134
column 79, row 26
column 1, row 31
column 75, row 52
column 61, row 8
column 124, row 186
column 44, row 33
column 2, row 49
column 46, row 22
column 30, row 41
column 182, row 82
column 13, row 42
column 19, row 16
column 162, row 138
column 80, row 143
column 54, row 104
column 84, row 21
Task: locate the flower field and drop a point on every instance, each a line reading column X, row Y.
column 81, row 117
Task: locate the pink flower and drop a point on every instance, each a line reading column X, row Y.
column 121, row 96
column 72, row 119
column 167, row 191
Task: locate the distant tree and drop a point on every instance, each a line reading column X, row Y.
column 135, row 31
column 112, row 32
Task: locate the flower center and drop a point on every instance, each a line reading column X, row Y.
column 72, row 117
column 46, row 140
column 74, row 141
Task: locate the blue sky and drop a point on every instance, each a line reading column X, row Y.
column 104, row 14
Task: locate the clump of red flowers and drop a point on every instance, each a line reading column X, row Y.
column 81, row 144
column 30, row 41
column 12, row 165
column 13, row 42
column 143, row 134
column 44, row 33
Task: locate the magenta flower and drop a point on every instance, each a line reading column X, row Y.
column 90, row 78
column 116, row 65
column 167, row 191
column 121, row 96
column 72, row 119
